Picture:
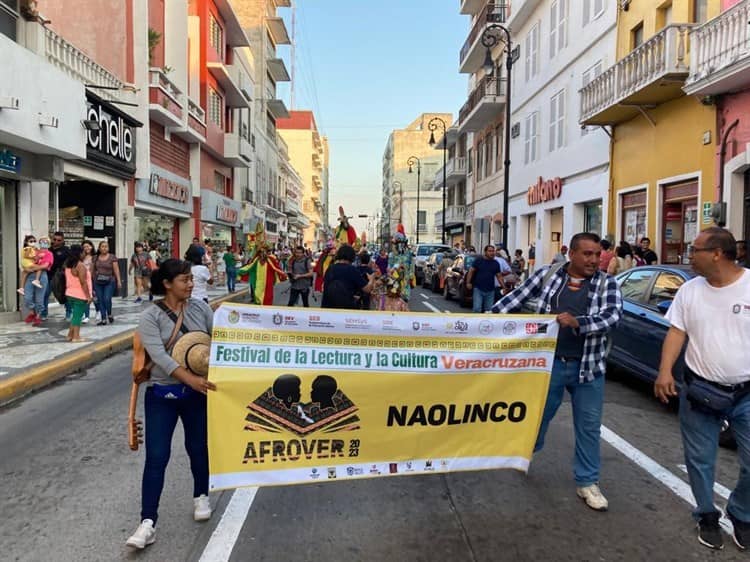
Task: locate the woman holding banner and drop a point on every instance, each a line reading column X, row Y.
column 173, row 392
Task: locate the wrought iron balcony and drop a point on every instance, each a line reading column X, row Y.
column 472, row 52
column 485, row 104
column 720, row 56
column 651, row 74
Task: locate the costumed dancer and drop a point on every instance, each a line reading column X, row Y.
column 401, row 263
column 324, row 260
column 345, row 233
column 263, row 272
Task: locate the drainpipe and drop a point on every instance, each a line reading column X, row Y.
column 722, row 155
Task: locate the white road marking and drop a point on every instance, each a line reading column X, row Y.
column 678, row 486
column 720, row 490
column 432, row 308
column 221, row 543
column 425, row 297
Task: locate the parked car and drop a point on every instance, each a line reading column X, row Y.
column 647, row 292
column 455, row 279
column 421, row 253
column 433, row 273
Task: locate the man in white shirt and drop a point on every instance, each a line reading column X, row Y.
column 505, row 269
column 712, row 311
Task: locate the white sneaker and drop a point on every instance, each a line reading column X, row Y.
column 85, row 320
column 37, row 284
column 593, row 497
column 21, row 291
column 202, row 508
column 144, row 535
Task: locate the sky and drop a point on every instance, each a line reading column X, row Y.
column 365, row 68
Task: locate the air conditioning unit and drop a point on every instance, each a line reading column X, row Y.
column 48, row 121
column 9, row 102
column 515, row 130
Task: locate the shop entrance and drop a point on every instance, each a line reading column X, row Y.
column 85, row 211
column 556, row 233
column 160, row 232
column 679, row 221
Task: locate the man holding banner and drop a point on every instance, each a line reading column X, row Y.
column 588, row 304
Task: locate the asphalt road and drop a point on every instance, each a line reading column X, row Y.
column 71, row 491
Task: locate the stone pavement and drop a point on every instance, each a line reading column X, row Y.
column 24, row 348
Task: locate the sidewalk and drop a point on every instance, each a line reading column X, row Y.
column 33, row 357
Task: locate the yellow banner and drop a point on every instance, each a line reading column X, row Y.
column 307, row 395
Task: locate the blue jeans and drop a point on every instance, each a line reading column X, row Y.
column 161, row 419
column 104, row 294
column 231, row 279
column 587, row 400
column 33, row 299
column 483, row 300
column 47, row 293
column 700, row 440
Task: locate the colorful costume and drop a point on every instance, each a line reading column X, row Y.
column 345, row 233
column 401, row 264
column 263, row 272
column 324, row 260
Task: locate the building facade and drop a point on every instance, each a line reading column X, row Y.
column 559, row 179
column 663, row 141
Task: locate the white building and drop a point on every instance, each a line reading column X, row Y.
column 560, row 172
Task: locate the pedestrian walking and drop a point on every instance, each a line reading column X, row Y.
column 483, row 274
column 300, row 275
column 78, row 291
column 649, row 255
column 623, row 259
column 561, row 256
column 588, row 304
column 607, row 254
column 34, row 296
column 87, row 258
column 712, row 312
column 173, row 392
column 230, row 264
column 139, row 266
column 506, row 272
column 518, row 265
column 59, row 254
column 201, row 274
column 106, row 278
column 343, row 281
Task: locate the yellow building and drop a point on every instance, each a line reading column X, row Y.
column 663, row 141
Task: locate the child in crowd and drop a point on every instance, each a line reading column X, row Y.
column 29, row 256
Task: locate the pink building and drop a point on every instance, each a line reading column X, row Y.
column 719, row 63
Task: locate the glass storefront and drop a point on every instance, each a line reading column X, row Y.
column 592, row 217
column 158, row 231
column 679, row 221
column 217, row 234
column 83, row 210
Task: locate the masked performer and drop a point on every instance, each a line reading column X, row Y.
column 324, row 260
column 401, row 261
column 345, row 233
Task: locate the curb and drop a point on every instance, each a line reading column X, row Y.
column 36, row 378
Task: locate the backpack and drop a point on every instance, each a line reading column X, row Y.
column 59, row 285
column 337, row 294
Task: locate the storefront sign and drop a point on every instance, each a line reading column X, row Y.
column 110, row 137
column 164, row 187
column 226, row 214
column 9, row 162
column 544, row 191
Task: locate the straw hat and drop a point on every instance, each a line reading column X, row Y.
column 192, row 352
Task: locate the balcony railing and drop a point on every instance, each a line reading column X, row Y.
column 485, row 104
column 165, row 99
column 720, row 53
column 663, row 56
column 491, row 13
column 76, row 64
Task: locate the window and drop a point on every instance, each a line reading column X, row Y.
column 665, row 288
column 587, row 77
column 532, row 52
column 557, row 121
column 498, row 147
column 558, row 21
column 634, row 287
column 592, row 9
column 220, row 183
column 664, row 16
column 215, row 36
column 469, row 162
column 215, row 107
column 421, row 221
column 531, row 137
column 480, row 160
column 488, row 143
column 8, row 17
column 592, row 217
column 636, row 36
column 700, row 11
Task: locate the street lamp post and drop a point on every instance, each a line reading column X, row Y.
column 433, row 125
column 410, row 162
column 491, row 37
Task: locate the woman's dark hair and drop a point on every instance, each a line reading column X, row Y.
column 623, row 250
column 194, row 255
column 168, row 270
column 138, row 245
column 364, row 258
column 74, row 256
column 90, row 243
column 27, row 238
column 346, row 253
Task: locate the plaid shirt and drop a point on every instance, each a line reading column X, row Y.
column 603, row 313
